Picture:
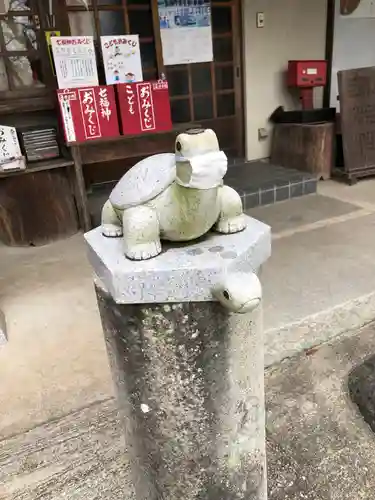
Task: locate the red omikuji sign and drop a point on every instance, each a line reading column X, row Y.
column 88, row 113
column 144, row 107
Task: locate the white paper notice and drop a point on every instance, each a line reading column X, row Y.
column 185, row 30
column 122, row 59
column 9, row 145
column 75, row 61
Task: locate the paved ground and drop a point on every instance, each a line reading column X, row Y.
column 55, row 358
column 319, row 282
column 319, row 447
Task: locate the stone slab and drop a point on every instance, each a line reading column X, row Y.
column 182, row 273
column 301, row 211
column 316, row 270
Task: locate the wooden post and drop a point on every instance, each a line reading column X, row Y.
column 84, row 216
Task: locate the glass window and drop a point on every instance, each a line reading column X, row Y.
column 111, row 22
column 20, row 64
column 82, row 23
column 4, row 85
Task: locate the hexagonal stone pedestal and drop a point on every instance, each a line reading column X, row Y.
column 189, row 374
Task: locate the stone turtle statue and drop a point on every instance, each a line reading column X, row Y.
column 175, row 197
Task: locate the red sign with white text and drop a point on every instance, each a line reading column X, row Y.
column 88, row 113
column 144, row 107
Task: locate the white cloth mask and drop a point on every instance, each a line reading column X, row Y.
column 204, row 171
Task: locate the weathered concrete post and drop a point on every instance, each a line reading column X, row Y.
column 188, row 372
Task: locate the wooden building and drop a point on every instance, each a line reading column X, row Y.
column 234, row 94
column 208, row 94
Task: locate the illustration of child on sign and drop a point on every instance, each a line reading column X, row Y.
column 129, row 77
column 117, row 65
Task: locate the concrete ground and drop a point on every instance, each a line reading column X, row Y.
column 55, row 358
column 319, row 283
column 320, row 280
column 318, row 446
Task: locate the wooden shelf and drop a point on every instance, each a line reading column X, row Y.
column 39, row 166
column 119, row 138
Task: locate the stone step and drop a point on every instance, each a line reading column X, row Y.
column 262, row 183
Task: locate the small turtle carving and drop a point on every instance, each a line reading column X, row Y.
column 173, row 196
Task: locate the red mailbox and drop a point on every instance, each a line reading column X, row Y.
column 306, row 75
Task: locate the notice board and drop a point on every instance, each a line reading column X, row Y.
column 357, row 115
column 88, row 113
column 144, row 107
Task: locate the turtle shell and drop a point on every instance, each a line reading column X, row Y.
column 144, row 181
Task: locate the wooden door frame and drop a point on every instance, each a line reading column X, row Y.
column 330, row 31
column 238, row 60
column 237, row 40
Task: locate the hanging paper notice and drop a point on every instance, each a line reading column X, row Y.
column 121, row 59
column 144, row 107
column 75, row 61
column 88, row 113
column 185, row 30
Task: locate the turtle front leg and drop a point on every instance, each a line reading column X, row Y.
column 141, row 233
column 231, row 218
column 111, row 224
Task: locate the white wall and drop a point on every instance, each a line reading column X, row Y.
column 294, row 29
column 353, row 46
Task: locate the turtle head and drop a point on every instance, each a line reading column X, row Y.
column 196, row 141
column 199, row 162
column 238, row 292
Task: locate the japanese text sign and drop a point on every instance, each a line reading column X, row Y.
column 9, row 145
column 144, row 107
column 75, row 61
column 88, row 113
column 121, row 59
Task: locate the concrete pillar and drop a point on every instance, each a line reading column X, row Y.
column 188, row 373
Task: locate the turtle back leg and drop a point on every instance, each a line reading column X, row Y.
column 141, row 233
column 111, row 224
column 231, row 218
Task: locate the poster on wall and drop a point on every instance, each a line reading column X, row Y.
column 144, row 107
column 88, row 113
column 122, row 59
column 357, row 8
column 75, row 61
column 185, row 28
